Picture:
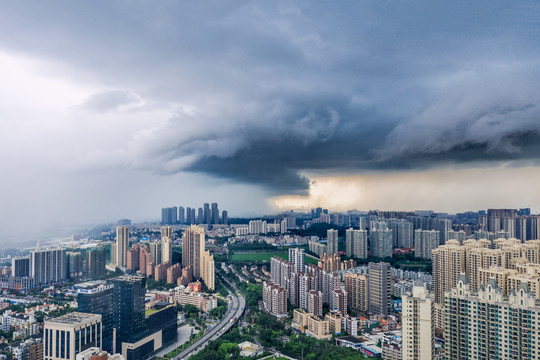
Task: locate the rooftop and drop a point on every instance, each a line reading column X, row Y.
column 73, row 318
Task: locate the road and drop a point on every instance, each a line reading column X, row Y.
column 234, row 311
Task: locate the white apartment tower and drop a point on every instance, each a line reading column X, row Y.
column 417, row 327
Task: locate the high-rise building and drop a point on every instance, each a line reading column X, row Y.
column 297, row 258
column 193, row 243
column 215, row 213
column 155, row 252
column 97, row 298
column 224, row 217
column 189, row 218
column 356, row 243
column 122, row 245
column 339, row 301
column 418, row 331
column 167, row 231
column 128, row 308
column 486, row 324
column 332, row 241
column 379, row 288
column 166, row 250
column 315, row 302
column 20, row 266
column 48, row 266
column 208, row 270
column 274, row 299
column 425, row 241
column 133, row 258
column 97, row 260
column 75, row 264
column 402, row 234
column 181, row 215
column 257, row 227
column 356, row 286
column 380, row 240
column 200, row 216
column 448, row 262
column 207, row 214
column 70, row 334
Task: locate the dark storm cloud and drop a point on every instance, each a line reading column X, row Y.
column 267, row 90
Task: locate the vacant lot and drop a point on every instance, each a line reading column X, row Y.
column 262, row 257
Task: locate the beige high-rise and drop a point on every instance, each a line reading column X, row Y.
column 194, row 254
column 193, row 248
column 357, row 290
column 122, row 245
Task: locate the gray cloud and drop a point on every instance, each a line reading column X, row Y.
column 111, row 100
column 260, row 92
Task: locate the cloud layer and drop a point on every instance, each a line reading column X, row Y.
column 261, row 93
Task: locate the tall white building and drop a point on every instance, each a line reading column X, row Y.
column 332, row 241
column 166, row 244
column 297, row 258
column 257, row 227
column 356, row 243
column 380, row 242
column 66, row 336
column 48, row 266
column 417, row 327
column 425, row 241
column 122, row 245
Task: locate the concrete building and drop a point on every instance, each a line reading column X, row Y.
column 356, row 286
column 193, row 244
column 274, row 299
column 96, row 297
column 380, row 242
column 379, row 288
column 122, row 245
column 332, row 241
column 297, row 258
column 356, row 243
column 425, row 241
column 315, row 302
column 70, row 334
column 418, row 330
column 487, row 324
column 48, row 266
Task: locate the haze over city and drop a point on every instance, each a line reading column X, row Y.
column 116, row 109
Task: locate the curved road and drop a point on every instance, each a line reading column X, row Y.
column 235, row 309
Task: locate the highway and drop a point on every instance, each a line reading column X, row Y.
column 234, row 311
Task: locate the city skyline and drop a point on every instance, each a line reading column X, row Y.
column 264, row 108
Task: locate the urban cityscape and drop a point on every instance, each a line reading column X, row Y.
column 269, row 180
column 355, row 284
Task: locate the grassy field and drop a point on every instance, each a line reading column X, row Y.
column 261, row 257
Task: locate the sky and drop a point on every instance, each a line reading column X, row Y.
column 114, row 110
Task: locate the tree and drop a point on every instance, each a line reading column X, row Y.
column 228, row 349
column 190, row 310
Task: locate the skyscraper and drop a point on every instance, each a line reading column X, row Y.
column 155, row 252
column 418, row 331
column 189, row 218
column 128, row 308
column 207, row 214
column 200, row 217
column 122, row 244
column 215, row 213
column 224, row 217
column 193, row 243
column 181, row 215
column 48, row 266
column 166, row 244
column 69, row 334
column 20, row 266
column 379, row 288
column 97, row 259
column 380, row 242
column 97, row 298
column 425, row 241
column 356, row 243
column 332, row 241
column 297, row 258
